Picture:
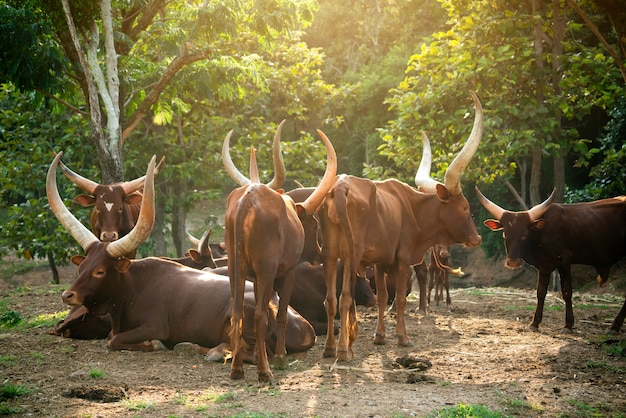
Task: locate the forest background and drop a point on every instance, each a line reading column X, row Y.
column 111, row 83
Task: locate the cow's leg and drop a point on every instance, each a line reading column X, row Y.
column 263, row 288
column 543, row 280
column 142, row 338
column 382, row 296
column 403, row 275
column 447, row 286
column 330, row 304
column 619, row 320
column 566, row 292
column 422, row 281
column 280, row 359
column 346, row 327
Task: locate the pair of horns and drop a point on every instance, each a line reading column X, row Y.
column 534, row 213
column 452, row 178
column 84, row 236
column 314, row 200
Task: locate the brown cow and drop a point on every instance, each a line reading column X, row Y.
column 155, row 302
column 115, row 206
column 439, row 274
column 265, row 239
column 391, row 225
column 553, row 236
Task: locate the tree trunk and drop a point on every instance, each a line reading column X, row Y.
column 53, row 267
column 558, row 31
column 535, row 171
column 158, row 237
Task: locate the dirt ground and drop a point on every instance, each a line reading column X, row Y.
column 480, row 353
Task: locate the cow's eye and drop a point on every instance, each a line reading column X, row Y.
column 99, row 274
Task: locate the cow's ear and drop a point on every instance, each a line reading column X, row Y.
column 300, row 210
column 539, row 224
column 77, row 259
column 280, row 191
column 493, row 224
column 194, row 255
column 442, row 193
column 122, row 264
column 133, row 198
column 85, row 200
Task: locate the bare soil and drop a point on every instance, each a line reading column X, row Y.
column 480, row 353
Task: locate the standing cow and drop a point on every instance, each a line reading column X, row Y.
column 391, row 225
column 265, row 239
column 553, row 236
column 153, row 302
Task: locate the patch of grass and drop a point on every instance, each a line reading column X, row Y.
column 10, row 319
column 8, row 391
column 96, row 374
column 466, row 411
column 10, row 359
column 20, row 266
column 132, row 405
column 46, row 320
column 41, row 359
column 585, row 410
column 614, row 347
column 6, row 409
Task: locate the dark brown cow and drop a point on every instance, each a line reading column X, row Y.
column 155, row 302
column 115, row 206
column 391, row 225
column 309, row 292
column 265, row 239
column 553, row 236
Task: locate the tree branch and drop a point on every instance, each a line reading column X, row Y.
column 596, row 32
column 173, row 68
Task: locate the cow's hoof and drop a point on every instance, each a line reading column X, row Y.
column 343, row 355
column 157, row 345
column 566, row 331
column 330, row 352
column 280, row 362
column 236, row 374
column 405, row 343
column 379, row 339
column 265, row 377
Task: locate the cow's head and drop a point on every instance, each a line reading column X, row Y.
column 305, row 209
column 100, row 268
column 455, row 215
column 516, row 226
column 115, row 206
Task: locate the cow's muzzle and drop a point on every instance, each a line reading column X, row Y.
column 70, row 298
column 513, row 263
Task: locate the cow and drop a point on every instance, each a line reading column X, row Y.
column 439, row 274
column 218, row 250
column 553, row 236
column 155, row 303
column 389, row 224
column 309, row 291
column 115, row 206
column 265, row 238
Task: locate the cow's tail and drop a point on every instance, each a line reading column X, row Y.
column 238, row 276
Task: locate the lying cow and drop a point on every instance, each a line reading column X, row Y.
column 154, row 303
column 553, row 236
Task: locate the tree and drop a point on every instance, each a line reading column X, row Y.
column 489, row 49
column 29, row 128
column 123, row 55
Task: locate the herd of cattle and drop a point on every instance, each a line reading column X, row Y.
column 294, row 261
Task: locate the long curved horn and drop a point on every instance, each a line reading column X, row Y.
column 423, row 181
column 134, row 185
column 491, row 207
column 319, row 194
column 452, row 179
column 80, row 233
column 84, row 183
column 232, row 171
column 537, row 211
column 254, row 171
column 145, row 222
column 279, row 164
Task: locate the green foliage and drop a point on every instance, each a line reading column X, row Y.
column 10, row 319
column 466, row 411
column 96, row 374
column 29, row 132
column 8, row 391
